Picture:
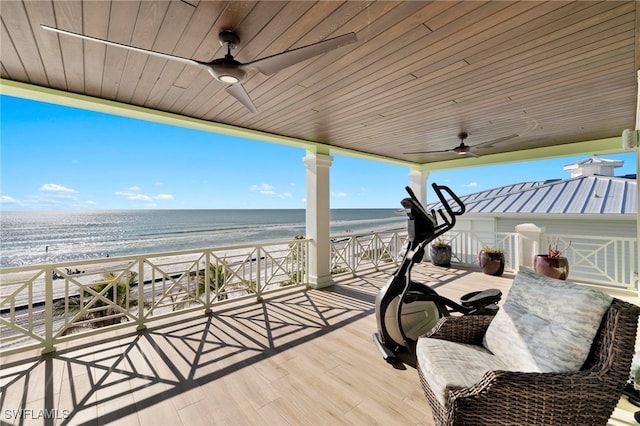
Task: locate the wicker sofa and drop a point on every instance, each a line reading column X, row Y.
column 555, row 354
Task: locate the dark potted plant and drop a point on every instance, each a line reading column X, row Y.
column 440, row 253
column 491, row 260
column 552, row 264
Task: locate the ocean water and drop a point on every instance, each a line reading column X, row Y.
column 36, row 237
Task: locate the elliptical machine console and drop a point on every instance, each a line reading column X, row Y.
column 407, row 309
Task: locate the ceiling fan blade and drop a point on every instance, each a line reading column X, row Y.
column 272, row 64
column 471, row 154
column 238, row 92
column 124, row 46
column 495, row 141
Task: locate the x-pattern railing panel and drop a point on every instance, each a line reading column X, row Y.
column 608, row 261
column 92, row 299
column 465, row 245
column 351, row 253
column 340, row 258
column 173, row 283
column 284, row 267
column 18, row 310
column 238, row 271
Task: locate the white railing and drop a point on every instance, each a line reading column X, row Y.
column 466, row 245
column 41, row 306
column 352, row 253
column 608, row 261
column 605, row 261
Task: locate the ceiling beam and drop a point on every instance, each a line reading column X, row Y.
column 74, row 100
column 58, row 97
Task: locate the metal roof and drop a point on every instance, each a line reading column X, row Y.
column 580, row 195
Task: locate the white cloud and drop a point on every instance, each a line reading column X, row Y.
column 132, row 193
column 52, row 187
column 262, row 188
column 8, row 199
column 473, row 185
column 55, row 191
column 139, row 197
column 339, row 194
column 164, row 197
column 266, row 189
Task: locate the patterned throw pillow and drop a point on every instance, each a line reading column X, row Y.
column 546, row 325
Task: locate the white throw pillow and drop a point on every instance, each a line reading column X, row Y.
column 546, row 325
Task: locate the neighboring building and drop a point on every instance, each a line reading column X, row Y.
column 591, row 203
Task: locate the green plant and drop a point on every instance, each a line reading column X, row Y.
column 488, row 249
column 338, row 270
column 114, row 294
column 217, row 273
column 440, row 242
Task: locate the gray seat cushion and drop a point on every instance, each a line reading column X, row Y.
column 448, row 365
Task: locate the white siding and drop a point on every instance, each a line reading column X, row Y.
column 574, row 226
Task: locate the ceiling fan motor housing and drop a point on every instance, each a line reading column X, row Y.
column 227, row 70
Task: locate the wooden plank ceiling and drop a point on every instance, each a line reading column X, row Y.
column 549, row 72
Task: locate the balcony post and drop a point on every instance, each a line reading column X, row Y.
column 529, row 243
column 418, row 183
column 48, row 311
column 140, row 320
column 318, row 219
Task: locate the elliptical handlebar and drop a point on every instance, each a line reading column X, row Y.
column 426, row 227
column 438, row 190
column 450, row 221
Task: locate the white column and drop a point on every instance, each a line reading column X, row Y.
column 418, row 183
column 638, row 198
column 637, row 150
column 318, row 219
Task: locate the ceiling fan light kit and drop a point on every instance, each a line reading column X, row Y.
column 229, row 71
column 462, row 149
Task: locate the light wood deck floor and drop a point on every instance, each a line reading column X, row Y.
column 301, row 357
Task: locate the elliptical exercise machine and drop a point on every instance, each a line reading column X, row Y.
column 407, row 309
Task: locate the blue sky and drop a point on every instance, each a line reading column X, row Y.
column 54, row 157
